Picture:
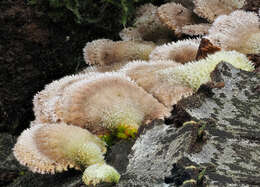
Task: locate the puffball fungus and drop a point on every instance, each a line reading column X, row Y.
column 106, row 52
column 145, row 75
column 108, row 100
column 181, row 51
column 210, row 9
column 51, row 148
column 194, row 74
column 238, row 31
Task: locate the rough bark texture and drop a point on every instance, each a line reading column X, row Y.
column 229, row 148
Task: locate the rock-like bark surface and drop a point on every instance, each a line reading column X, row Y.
column 229, row 148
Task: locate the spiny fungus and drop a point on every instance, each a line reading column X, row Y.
column 130, row 33
column 144, row 74
column 45, row 101
column 106, row 52
column 238, row 31
column 108, row 100
column 174, row 15
column 194, row 74
column 210, row 9
column 51, row 148
column 181, row 51
column 97, row 173
column 115, row 104
column 148, row 25
column 194, row 30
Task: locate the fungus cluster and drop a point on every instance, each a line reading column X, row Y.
column 191, row 18
column 130, row 83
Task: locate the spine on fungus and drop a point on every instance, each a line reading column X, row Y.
column 45, row 101
column 97, row 173
column 238, row 31
column 174, row 15
column 181, row 51
column 145, row 75
column 147, row 26
column 194, row 30
column 106, row 52
column 50, row 148
column 194, row 74
column 109, row 100
column 213, row 8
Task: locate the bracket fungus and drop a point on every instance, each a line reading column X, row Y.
column 175, row 15
column 181, row 51
column 45, row 101
column 145, row 75
column 147, row 26
column 182, row 20
column 238, row 31
column 194, row 30
column 194, row 74
column 107, row 100
column 72, row 112
column 44, row 149
column 210, row 9
column 106, row 52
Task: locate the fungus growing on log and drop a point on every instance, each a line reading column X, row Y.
column 194, row 30
column 145, row 75
column 44, row 102
column 194, row 74
column 238, row 31
column 130, row 34
column 210, row 9
column 174, row 15
column 51, row 148
column 147, row 26
column 108, row 100
column 106, row 52
column 181, row 51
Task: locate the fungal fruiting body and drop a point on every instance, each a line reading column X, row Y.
column 45, row 101
column 194, row 30
column 147, row 26
column 181, row 51
column 106, row 52
column 96, row 173
column 174, row 15
column 51, row 148
column 146, row 20
column 130, row 33
column 194, row 74
column 108, row 100
column 237, row 31
column 210, row 9
column 145, row 75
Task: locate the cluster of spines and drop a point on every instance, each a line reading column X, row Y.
column 238, row 31
column 194, row 74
